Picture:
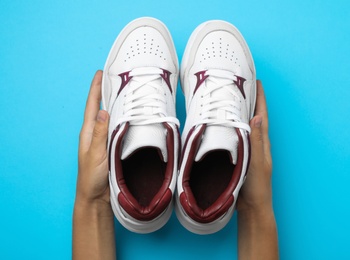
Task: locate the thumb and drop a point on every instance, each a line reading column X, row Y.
column 256, row 135
column 100, row 133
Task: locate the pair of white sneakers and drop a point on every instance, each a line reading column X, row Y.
column 146, row 160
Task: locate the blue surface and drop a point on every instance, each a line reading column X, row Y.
column 49, row 51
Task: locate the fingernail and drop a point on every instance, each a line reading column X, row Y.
column 101, row 116
column 258, row 122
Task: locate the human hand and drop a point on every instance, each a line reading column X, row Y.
column 256, row 192
column 93, row 218
column 257, row 229
column 92, row 185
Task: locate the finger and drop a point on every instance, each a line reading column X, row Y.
column 261, row 110
column 256, row 138
column 100, row 133
column 261, row 107
column 94, row 99
column 91, row 110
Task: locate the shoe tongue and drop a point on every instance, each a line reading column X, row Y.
column 141, row 136
column 218, row 138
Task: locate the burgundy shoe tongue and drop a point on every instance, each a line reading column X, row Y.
column 218, row 138
column 144, row 136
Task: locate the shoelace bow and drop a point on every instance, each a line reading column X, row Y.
column 146, row 106
column 221, row 102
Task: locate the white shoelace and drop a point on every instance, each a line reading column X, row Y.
column 221, row 103
column 146, row 106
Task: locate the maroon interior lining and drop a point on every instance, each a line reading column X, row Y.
column 155, row 199
column 144, row 174
column 213, row 208
column 210, row 177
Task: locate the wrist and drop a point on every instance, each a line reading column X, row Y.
column 257, row 233
column 257, row 202
column 258, row 213
column 93, row 229
column 92, row 208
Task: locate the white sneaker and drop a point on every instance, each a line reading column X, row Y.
column 138, row 90
column 218, row 80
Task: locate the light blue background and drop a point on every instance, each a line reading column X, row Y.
column 49, row 51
